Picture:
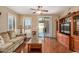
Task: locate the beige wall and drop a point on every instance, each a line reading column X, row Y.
column 35, row 23
column 54, row 18
column 54, row 25
column 4, row 18
column 34, row 20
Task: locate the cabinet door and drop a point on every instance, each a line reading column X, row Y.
column 75, row 33
column 59, row 37
column 66, row 41
column 76, row 45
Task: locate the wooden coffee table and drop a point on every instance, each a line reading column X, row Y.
column 34, row 46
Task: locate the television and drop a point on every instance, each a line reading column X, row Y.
column 62, row 28
column 66, row 27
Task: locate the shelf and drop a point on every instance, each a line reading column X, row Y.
column 76, row 25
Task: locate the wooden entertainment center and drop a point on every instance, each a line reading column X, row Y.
column 68, row 31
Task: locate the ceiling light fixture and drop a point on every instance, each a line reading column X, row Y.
column 38, row 12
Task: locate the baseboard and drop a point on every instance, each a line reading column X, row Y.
column 47, row 37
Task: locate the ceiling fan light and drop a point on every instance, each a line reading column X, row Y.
column 38, row 12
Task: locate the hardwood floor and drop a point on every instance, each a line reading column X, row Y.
column 52, row 46
column 48, row 46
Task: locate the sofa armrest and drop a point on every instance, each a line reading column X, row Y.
column 5, row 46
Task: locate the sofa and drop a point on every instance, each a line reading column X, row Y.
column 9, row 42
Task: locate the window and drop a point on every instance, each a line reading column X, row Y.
column 27, row 23
column 27, row 26
column 11, row 23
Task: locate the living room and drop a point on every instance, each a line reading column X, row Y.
column 13, row 22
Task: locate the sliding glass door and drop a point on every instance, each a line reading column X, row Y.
column 44, row 26
column 41, row 29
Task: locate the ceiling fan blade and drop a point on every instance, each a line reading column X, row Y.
column 34, row 12
column 39, row 6
column 44, row 10
column 32, row 9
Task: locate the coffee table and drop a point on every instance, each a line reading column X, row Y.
column 34, row 45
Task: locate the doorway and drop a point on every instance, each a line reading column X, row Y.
column 44, row 27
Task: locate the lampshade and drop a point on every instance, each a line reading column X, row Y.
column 20, row 27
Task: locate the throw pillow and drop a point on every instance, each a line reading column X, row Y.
column 1, row 41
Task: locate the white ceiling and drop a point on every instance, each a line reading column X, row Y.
column 26, row 9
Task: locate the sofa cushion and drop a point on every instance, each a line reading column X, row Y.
column 5, row 46
column 17, row 39
column 5, row 37
column 14, row 40
column 20, row 38
column 12, row 34
column 1, row 41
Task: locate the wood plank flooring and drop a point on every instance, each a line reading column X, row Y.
column 48, row 46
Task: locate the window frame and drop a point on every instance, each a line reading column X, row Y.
column 24, row 22
column 13, row 20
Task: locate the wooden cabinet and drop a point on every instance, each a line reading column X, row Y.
column 76, row 25
column 63, row 39
column 63, row 33
column 75, row 32
column 76, row 44
column 72, row 40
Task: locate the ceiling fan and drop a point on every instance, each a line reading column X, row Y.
column 39, row 10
